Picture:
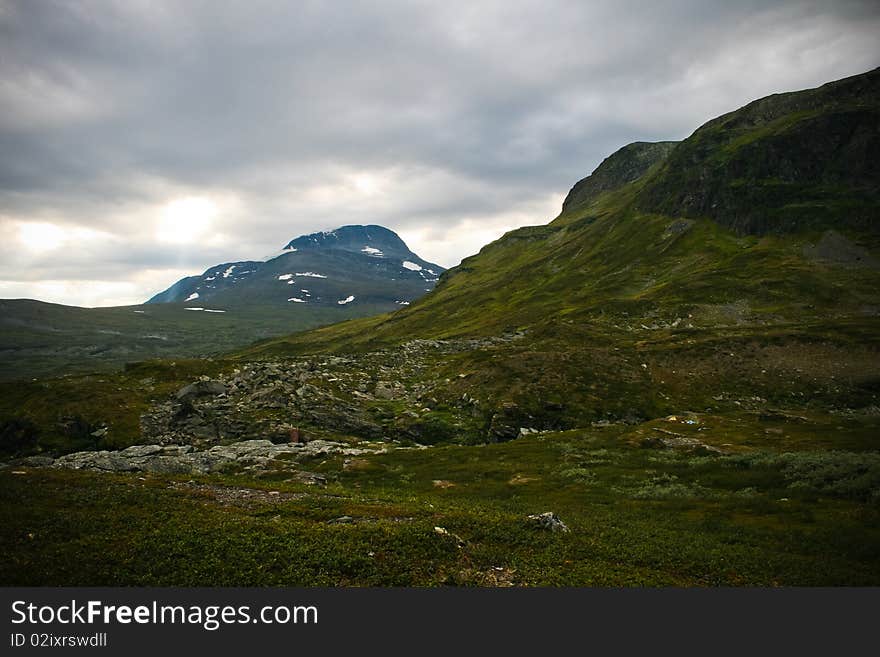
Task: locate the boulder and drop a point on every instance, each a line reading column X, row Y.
column 548, row 521
column 166, row 465
column 384, row 390
column 140, row 450
column 201, row 389
column 448, row 535
column 310, row 478
column 106, row 461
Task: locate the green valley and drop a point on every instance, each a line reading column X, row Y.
column 681, row 371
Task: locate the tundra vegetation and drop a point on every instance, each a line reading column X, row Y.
column 675, row 382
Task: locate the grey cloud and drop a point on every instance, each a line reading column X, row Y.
column 115, row 105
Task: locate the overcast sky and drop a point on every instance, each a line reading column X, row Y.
column 141, row 141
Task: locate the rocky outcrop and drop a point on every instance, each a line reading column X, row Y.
column 836, row 249
column 204, row 387
column 387, row 395
column 184, row 459
column 549, row 521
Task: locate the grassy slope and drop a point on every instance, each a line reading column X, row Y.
column 609, row 265
column 620, row 257
column 787, row 162
column 637, row 517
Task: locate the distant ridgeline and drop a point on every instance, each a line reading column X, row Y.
column 352, row 265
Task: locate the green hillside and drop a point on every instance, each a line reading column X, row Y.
column 626, row 314
column 626, row 253
column 789, row 162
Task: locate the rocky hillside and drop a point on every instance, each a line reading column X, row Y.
column 349, row 266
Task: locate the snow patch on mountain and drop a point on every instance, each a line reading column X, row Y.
column 346, row 300
column 411, row 266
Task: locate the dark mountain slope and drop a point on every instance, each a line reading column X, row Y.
column 788, row 162
column 372, row 240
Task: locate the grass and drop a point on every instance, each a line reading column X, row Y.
column 49, row 340
column 637, row 517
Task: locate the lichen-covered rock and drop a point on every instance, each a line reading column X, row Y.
column 101, row 461
column 185, row 459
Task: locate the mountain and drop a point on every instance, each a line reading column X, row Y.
column 673, row 383
column 366, row 266
column 318, row 279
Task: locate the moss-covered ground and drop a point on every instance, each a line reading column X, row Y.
column 637, row 516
